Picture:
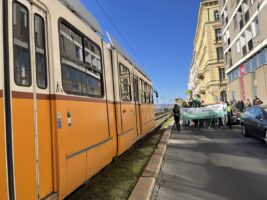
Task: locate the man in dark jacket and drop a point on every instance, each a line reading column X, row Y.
column 176, row 114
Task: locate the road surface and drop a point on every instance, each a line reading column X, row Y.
column 212, row 165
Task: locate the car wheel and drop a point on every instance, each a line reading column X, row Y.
column 244, row 131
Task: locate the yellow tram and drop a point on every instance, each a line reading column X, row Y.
column 70, row 102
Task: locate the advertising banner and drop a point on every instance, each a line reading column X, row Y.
column 208, row 112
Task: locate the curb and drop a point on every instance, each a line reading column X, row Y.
column 145, row 185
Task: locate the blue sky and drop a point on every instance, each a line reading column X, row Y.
column 160, row 31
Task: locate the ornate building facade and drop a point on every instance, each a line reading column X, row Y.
column 244, row 31
column 208, row 60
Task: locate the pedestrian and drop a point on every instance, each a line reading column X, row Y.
column 176, row 114
column 259, row 102
column 248, row 103
column 255, row 101
column 241, row 106
column 229, row 115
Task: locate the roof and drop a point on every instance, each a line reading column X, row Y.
column 78, row 9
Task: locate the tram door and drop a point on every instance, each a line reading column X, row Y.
column 3, row 170
column 31, row 106
column 136, row 102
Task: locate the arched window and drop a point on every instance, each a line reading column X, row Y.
column 223, row 96
column 216, row 15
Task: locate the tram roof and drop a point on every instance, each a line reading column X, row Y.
column 84, row 14
column 116, row 45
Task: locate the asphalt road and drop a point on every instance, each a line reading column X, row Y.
column 213, row 165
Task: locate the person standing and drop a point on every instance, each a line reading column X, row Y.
column 248, row 103
column 259, row 101
column 176, row 114
column 241, row 106
column 229, row 115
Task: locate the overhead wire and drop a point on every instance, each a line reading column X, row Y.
column 126, row 42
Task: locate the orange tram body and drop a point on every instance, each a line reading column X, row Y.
column 70, row 102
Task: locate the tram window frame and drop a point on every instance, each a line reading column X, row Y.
column 43, row 38
column 143, row 92
column 135, row 90
column 149, row 93
column 146, row 92
column 18, row 50
column 122, row 83
column 91, row 74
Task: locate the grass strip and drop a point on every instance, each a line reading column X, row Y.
column 117, row 180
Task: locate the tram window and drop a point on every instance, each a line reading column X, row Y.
column 92, row 55
column 80, row 83
column 142, row 92
column 71, row 43
column 135, row 89
column 80, row 75
column 151, row 95
column 125, row 83
column 22, row 66
column 40, row 52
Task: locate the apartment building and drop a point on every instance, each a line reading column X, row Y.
column 244, row 33
column 207, row 75
column 193, row 80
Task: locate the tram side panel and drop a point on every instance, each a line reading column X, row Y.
column 3, row 171
column 110, row 92
column 125, row 106
column 147, row 118
column 84, row 137
column 22, row 84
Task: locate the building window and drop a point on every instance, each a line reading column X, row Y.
column 219, row 53
column 80, row 75
column 247, row 67
column 255, row 27
column 239, row 16
column 222, row 74
column 216, row 15
column 228, row 58
column 223, row 96
column 22, row 64
column 243, row 45
column 261, row 58
column 228, row 37
column 247, row 16
column 218, row 34
column 254, row 63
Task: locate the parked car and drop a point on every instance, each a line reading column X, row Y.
column 254, row 122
